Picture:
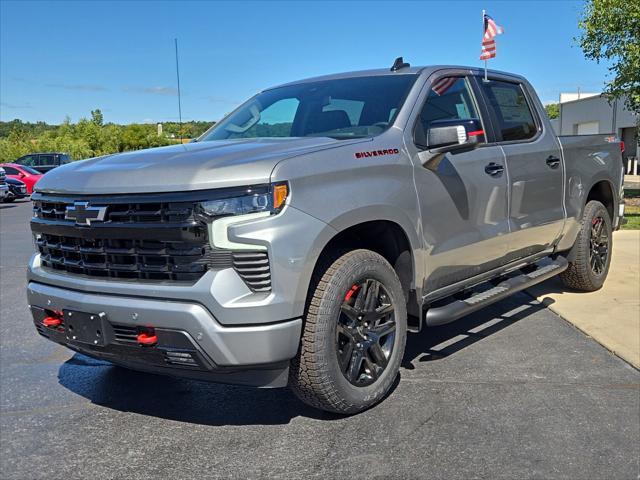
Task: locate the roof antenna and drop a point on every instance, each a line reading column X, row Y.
column 398, row 64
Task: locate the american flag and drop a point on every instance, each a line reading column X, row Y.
column 491, row 29
column 442, row 85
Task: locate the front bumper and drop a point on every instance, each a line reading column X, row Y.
column 17, row 192
column 254, row 355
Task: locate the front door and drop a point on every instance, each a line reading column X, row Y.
column 534, row 164
column 462, row 196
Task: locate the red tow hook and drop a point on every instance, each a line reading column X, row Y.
column 147, row 337
column 54, row 320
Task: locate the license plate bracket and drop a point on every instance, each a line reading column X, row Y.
column 83, row 327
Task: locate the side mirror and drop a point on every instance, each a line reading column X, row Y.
column 21, row 175
column 452, row 135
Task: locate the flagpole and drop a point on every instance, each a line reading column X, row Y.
column 485, row 60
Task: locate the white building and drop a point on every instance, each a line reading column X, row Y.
column 595, row 115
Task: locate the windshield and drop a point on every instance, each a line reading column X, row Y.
column 343, row 108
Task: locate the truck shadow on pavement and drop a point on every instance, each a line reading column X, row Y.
column 213, row 404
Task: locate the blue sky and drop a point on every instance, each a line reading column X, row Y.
column 67, row 58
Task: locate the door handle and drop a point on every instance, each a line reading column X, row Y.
column 553, row 162
column 494, row 169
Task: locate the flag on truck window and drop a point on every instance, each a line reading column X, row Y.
column 442, row 85
column 491, row 30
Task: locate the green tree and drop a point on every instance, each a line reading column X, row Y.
column 553, row 110
column 611, row 32
column 96, row 117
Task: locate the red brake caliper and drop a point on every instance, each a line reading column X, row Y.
column 352, row 290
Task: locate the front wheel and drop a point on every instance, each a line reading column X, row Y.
column 354, row 335
column 592, row 250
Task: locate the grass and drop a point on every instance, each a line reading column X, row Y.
column 631, row 193
column 632, row 214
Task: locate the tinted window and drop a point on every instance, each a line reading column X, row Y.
column 341, row 108
column 29, row 160
column 11, row 170
column 45, row 160
column 515, row 120
column 449, row 99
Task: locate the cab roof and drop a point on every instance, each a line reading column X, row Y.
column 403, row 71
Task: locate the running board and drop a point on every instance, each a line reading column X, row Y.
column 459, row 308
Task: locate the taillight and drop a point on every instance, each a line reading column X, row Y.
column 621, row 146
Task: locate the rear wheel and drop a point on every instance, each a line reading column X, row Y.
column 592, row 250
column 354, row 335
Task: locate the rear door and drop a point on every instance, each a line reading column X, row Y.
column 534, row 166
column 463, row 195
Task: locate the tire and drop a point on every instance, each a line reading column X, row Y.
column 8, row 199
column 581, row 274
column 344, row 386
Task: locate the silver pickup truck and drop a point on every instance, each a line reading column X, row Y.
column 299, row 239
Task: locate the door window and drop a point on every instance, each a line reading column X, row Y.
column 515, row 119
column 45, row 160
column 29, row 160
column 449, row 98
column 10, row 170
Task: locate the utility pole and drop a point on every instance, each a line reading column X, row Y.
column 179, row 97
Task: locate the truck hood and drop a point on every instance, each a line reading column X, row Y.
column 193, row 166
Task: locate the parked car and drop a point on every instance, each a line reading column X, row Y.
column 44, row 162
column 301, row 237
column 28, row 175
column 17, row 190
column 4, row 188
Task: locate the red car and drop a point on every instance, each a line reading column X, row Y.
column 23, row 173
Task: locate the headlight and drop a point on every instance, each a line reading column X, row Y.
column 250, row 203
column 269, row 199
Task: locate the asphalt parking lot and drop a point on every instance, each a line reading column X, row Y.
column 512, row 392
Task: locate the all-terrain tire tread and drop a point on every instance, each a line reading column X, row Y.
column 308, row 375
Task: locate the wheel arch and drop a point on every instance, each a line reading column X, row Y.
column 603, row 192
column 381, row 235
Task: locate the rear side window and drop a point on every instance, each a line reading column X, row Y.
column 45, row 160
column 11, row 171
column 515, row 119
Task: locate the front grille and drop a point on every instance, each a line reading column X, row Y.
column 125, row 334
column 117, row 258
column 130, row 212
column 180, row 358
column 144, row 237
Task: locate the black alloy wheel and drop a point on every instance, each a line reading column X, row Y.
column 365, row 332
column 599, row 245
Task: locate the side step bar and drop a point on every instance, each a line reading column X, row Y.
column 459, row 308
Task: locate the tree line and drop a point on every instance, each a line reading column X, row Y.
column 89, row 137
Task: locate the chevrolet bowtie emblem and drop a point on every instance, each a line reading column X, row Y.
column 84, row 214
